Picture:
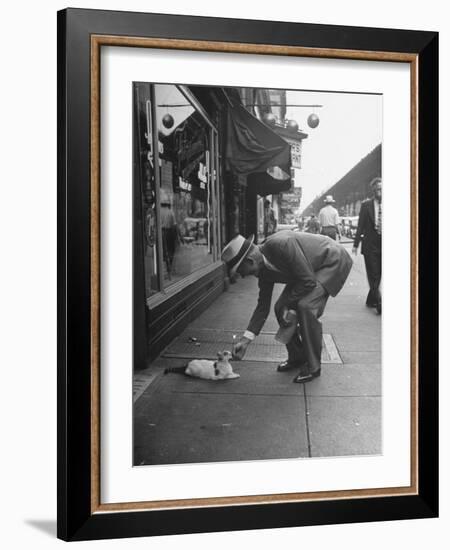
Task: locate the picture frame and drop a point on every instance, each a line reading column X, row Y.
column 81, row 35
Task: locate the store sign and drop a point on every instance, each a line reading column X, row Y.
column 296, row 152
column 292, row 199
column 202, row 173
column 184, row 185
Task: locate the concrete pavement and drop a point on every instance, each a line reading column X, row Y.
column 263, row 415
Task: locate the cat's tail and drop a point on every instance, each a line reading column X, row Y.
column 179, row 370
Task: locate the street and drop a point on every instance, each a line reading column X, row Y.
column 262, row 414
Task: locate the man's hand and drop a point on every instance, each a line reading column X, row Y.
column 240, row 348
column 286, row 318
column 355, row 250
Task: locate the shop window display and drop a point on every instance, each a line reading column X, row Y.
column 186, row 197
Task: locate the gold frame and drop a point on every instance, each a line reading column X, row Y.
column 97, row 41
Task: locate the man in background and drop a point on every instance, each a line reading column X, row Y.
column 270, row 221
column 329, row 219
column 369, row 233
column 313, row 225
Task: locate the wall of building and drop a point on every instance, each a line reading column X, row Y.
column 352, row 188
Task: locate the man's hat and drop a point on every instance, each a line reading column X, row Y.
column 235, row 251
column 329, row 199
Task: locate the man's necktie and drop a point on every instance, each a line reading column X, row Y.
column 379, row 218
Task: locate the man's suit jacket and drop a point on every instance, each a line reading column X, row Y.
column 366, row 231
column 299, row 260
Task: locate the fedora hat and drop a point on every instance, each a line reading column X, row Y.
column 329, row 199
column 235, row 251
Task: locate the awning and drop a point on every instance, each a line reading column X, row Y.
column 264, row 184
column 252, row 148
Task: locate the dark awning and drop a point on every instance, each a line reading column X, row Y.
column 264, row 184
column 252, row 147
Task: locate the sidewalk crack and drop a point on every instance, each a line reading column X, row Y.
column 308, row 435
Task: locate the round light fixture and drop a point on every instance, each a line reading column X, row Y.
column 167, row 121
column 292, row 126
column 313, row 121
column 270, row 119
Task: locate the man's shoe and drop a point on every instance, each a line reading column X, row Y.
column 378, row 306
column 303, row 377
column 290, row 365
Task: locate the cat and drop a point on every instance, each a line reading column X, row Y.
column 207, row 369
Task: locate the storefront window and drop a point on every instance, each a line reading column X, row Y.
column 186, row 192
column 176, row 189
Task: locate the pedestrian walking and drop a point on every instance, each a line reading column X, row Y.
column 329, row 219
column 313, row 267
column 369, row 233
column 313, row 225
column 270, row 221
column 301, row 223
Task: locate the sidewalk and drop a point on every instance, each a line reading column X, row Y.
column 263, row 415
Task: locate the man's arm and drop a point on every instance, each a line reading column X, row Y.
column 262, row 309
column 320, row 219
column 257, row 320
column 360, row 229
column 337, row 223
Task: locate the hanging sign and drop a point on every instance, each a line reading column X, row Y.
column 296, row 152
column 184, row 185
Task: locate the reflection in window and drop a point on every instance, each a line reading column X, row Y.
column 184, row 142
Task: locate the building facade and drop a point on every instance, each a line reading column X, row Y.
column 201, row 160
column 269, row 106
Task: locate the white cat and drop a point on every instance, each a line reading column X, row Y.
column 207, row 369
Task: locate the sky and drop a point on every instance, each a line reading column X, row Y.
column 168, row 94
column 350, row 127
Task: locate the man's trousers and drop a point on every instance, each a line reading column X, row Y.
column 329, row 231
column 372, row 259
column 306, row 344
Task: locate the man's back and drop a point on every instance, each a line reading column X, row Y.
column 327, row 259
column 328, row 216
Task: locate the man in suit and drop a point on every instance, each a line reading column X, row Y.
column 369, row 233
column 312, row 267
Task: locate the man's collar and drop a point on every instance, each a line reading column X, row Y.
column 269, row 265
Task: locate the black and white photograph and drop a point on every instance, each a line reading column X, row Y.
column 257, row 273
column 222, row 294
